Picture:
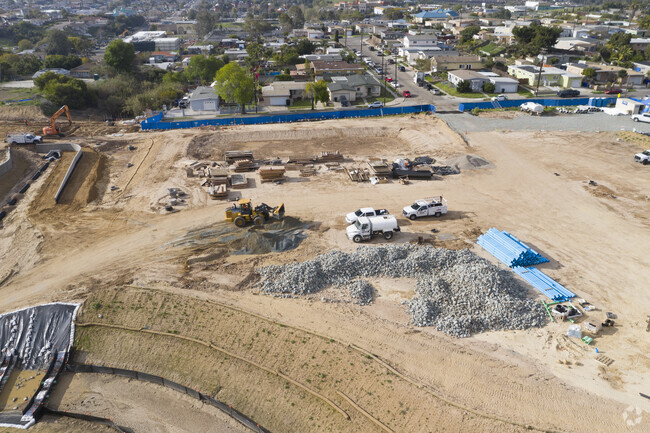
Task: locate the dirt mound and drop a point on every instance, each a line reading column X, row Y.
column 468, row 162
column 22, row 113
column 273, row 237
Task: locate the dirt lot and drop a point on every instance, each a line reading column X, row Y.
column 112, row 244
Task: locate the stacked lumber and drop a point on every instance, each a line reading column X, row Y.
column 271, row 173
column 219, row 191
column 236, row 155
column 218, row 175
column 330, row 156
column 238, row 181
column 242, row 165
column 307, row 171
column 358, row 174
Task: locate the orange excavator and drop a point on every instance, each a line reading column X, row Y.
column 52, row 129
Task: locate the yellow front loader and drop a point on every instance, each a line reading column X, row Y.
column 244, row 212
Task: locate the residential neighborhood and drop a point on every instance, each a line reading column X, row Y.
column 526, row 49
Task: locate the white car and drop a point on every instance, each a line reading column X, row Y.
column 352, row 217
column 643, row 157
column 376, row 104
column 500, row 98
column 432, row 206
column 643, row 117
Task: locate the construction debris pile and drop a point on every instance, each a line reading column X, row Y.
column 456, row 291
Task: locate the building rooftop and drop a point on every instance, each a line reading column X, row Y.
column 467, row 74
column 335, row 66
column 203, row 92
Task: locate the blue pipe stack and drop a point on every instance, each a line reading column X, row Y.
column 519, row 256
column 509, row 250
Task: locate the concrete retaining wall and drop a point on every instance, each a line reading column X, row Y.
column 45, row 148
column 7, row 164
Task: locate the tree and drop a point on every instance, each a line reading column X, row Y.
column 297, row 16
column 205, row 23
column 203, row 68
column 305, row 46
column 317, row 91
column 422, row 64
column 234, row 85
column 464, row 87
column 120, row 55
column 64, row 62
column 256, row 53
column 57, row 42
column 533, row 38
column 81, row 46
column 488, row 87
column 285, row 23
column 392, row 14
column 589, row 74
column 62, row 90
column 336, row 36
column 25, row 44
column 468, row 33
column 644, row 22
column 622, row 74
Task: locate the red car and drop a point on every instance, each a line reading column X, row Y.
column 613, row 91
column 406, row 94
column 389, row 79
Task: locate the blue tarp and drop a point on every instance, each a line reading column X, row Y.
column 156, row 122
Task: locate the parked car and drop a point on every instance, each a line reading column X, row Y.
column 379, row 70
column 402, row 69
column 500, row 98
column 432, row 206
column 389, row 78
column 435, row 90
column 376, row 104
column 613, row 91
column 344, row 101
column 391, row 61
column 352, row 217
column 643, row 157
column 642, row 117
column 406, row 94
column 568, row 93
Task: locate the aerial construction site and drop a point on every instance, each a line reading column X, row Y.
column 389, row 274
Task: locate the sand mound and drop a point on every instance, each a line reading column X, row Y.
column 468, row 162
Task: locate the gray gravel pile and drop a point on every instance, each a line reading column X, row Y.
column 456, row 291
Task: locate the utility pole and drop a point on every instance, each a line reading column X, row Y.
column 383, row 78
column 541, row 66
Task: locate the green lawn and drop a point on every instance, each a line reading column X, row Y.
column 450, row 90
column 524, row 92
column 492, row 49
column 301, row 104
column 384, row 93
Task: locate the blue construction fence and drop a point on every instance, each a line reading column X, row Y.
column 156, row 122
column 594, row 102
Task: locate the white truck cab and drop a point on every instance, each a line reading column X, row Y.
column 352, row 217
column 367, row 227
column 642, row 117
column 432, row 206
column 643, row 157
column 23, row 138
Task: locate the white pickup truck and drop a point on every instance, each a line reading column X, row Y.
column 23, row 138
column 352, row 217
column 641, row 117
column 643, row 157
column 367, row 227
column 432, row 206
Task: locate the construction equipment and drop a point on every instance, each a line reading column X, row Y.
column 52, row 129
column 244, row 212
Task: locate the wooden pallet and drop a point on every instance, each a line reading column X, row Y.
column 604, row 360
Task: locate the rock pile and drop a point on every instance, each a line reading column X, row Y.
column 456, row 291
